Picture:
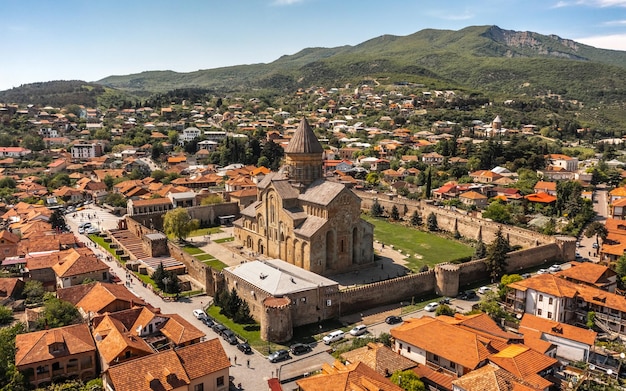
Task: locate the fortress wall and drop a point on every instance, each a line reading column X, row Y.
column 395, row 291
column 468, row 226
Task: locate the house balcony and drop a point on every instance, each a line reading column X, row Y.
column 438, row 368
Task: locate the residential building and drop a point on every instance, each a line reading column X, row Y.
column 149, row 206
column 340, row 377
column 545, row 187
column 485, row 176
column 455, row 345
column 189, row 134
column 432, row 158
column 475, row 199
column 10, row 289
column 378, row 357
column 61, row 353
column 200, row 367
column 84, row 151
column 99, row 298
column 8, row 244
column 563, row 161
column 79, row 265
column 572, row 343
column 550, row 296
column 14, row 152
column 591, row 274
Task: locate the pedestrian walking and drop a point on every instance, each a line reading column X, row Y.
column 248, row 363
column 235, row 360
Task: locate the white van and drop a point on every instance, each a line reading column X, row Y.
column 333, row 337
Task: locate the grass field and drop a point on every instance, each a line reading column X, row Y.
column 192, row 250
column 224, row 240
column 205, row 257
column 215, row 264
column 423, row 248
column 249, row 332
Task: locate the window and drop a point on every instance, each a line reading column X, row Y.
column 400, row 346
column 550, row 301
column 220, row 381
column 435, row 358
column 198, row 387
column 539, row 312
column 540, row 297
column 408, row 349
column 549, row 315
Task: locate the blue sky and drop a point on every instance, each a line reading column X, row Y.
column 46, row 40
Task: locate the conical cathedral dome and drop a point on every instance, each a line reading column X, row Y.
column 304, row 140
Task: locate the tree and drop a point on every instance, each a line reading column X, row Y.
column 115, row 199
column 431, row 222
column 57, row 220
column 212, row 199
column 429, row 184
column 481, row 250
column 6, row 315
column 496, row 255
column 504, row 283
column 620, row 268
column 57, row 313
column 444, row 309
column 177, row 222
column 395, row 215
column 34, row 143
column 108, row 181
column 408, row 381
column 416, row 219
column 498, row 212
column 598, row 229
column 376, row 210
column 10, row 377
column 33, row 291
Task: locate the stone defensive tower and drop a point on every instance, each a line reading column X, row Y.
column 276, row 322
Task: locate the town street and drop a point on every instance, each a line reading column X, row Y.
column 252, row 378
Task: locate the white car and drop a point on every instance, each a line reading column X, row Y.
column 542, row 271
column 483, row 289
column 358, row 330
column 430, row 307
column 554, row 268
column 200, row 314
column 333, row 337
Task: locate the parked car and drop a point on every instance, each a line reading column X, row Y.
column 200, row 314
column 229, row 337
column 431, row 307
column 279, row 355
column 92, row 230
column 299, row 348
column 444, row 300
column 358, row 330
column 467, row 295
column 595, row 245
column 219, row 328
column 208, row 321
column 483, row 289
column 542, row 271
column 554, row 268
column 245, row 348
column 393, row 319
column 333, row 337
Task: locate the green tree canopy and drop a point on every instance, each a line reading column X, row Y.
column 416, row 219
column 177, row 222
column 598, row 229
column 33, row 291
column 408, row 381
column 431, row 222
column 496, row 259
column 57, row 313
column 498, row 212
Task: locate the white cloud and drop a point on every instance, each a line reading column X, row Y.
column 590, row 3
column 286, row 2
column 602, row 3
column 615, row 23
column 614, row 41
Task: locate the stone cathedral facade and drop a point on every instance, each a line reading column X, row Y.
column 303, row 219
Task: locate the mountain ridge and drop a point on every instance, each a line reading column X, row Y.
column 484, row 58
